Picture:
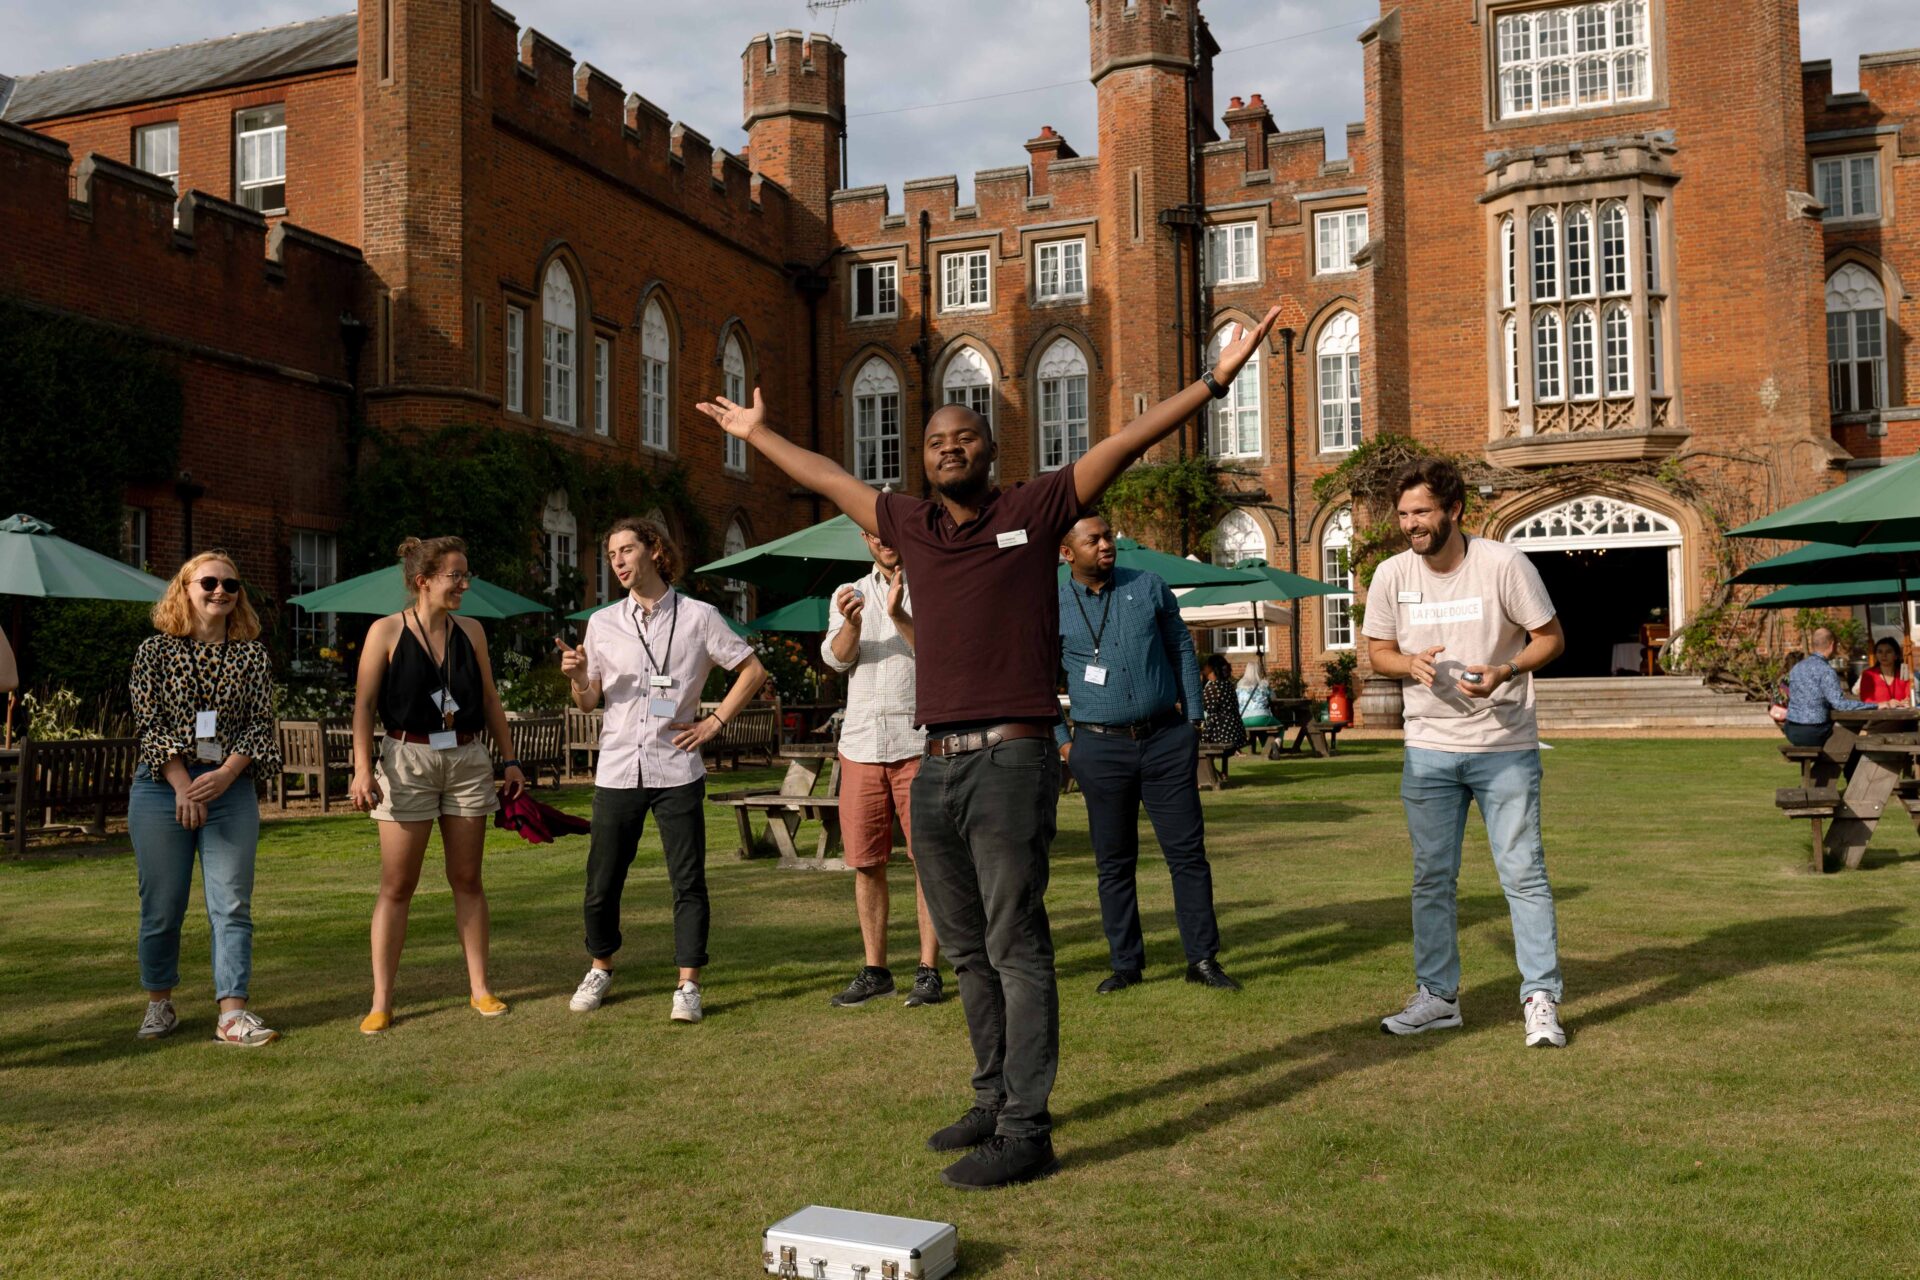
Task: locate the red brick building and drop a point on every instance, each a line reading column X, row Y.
column 1577, row 241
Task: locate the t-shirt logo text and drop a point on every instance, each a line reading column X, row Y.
column 1440, row 613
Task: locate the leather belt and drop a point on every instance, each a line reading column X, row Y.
column 1137, row 730
column 955, row 744
column 401, row 735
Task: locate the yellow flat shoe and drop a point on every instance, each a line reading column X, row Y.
column 376, row 1022
column 488, row 1006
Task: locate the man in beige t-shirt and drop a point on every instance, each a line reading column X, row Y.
column 1463, row 622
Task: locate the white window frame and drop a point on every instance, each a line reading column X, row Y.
column 1616, row 251
column 1065, row 410
column 1837, row 184
column 1583, row 354
column 559, row 345
column 1856, row 319
column 514, row 379
column 313, row 561
column 968, row 380
column 1060, row 270
column 885, row 286
column 1581, row 252
column 1549, row 350
column 1338, row 234
column 135, row 527
column 1508, row 261
column 602, row 371
column 1337, row 402
column 1572, row 57
column 1336, row 609
column 559, row 531
column 1616, row 347
column 966, row 280
column 878, row 443
column 165, row 164
column 1543, row 255
column 1233, row 253
column 733, row 370
column 1229, row 418
column 260, row 139
column 656, row 372
column 1237, row 537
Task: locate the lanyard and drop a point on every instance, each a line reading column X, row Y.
column 673, row 625
column 209, row 689
column 444, row 666
column 1106, row 607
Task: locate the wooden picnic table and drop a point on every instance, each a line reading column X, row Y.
column 794, row 803
column 1885, row 749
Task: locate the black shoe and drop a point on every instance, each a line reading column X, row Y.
column 927, row 987
column 866, row 984
column 1001, row 1161
column 1209, row 973
column 1119, row 980
column 970, row 1130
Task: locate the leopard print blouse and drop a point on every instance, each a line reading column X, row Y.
column 175, row 676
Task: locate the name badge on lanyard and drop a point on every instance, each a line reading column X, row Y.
column 658, row 706
column 1096, row 674
column 208, row 750
column 444, row 740
column 205, row 724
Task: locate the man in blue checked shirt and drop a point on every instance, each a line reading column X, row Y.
column 1814, row 693
column 1135, row 691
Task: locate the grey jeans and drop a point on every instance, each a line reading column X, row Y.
column 982, row 823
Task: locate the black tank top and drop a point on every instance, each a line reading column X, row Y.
column 413, row 678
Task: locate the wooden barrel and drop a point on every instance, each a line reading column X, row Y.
column 1381, row 705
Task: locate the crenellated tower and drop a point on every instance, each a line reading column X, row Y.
column 793, row 91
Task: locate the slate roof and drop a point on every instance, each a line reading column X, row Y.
column 186, row 68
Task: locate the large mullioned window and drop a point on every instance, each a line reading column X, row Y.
column 1573, row 57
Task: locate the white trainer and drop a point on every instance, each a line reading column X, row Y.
column 161, row 1020
column 1425, row 1012
column 1543, row 1023
column 244, row 1028
column 591, row 991
column 686, row 1002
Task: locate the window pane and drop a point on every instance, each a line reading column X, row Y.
column 1613, row 247
column 863, row 291
column 1507, row 256
column 1546, row 264
column 1546, row 356
column 885, row 293
column 1863, row 177
column 1073, row 277
column 1581, row 382
column 1650, row 242
column 1619, row 345
column 1579, row 252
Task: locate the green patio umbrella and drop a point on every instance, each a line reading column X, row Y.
column 1819, row 562
column 1882, row 505
column 816, row 559
column 33, row 562
column 1267, row 583
column 384, row 591
column 738, row 627
column 1822, row 595
column 809, row 615
column 1175, row 571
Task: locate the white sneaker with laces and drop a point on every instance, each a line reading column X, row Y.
column 1425, row 1012
column 244, row 1028
column 161, row 1020
column 686, row 1002
column 1543, row 1022
column 591, row 991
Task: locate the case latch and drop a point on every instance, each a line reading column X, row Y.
column 789, row 1263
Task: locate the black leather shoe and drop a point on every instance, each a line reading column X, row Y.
column 970, row 1130
column 1001, row 1161
column 1119, row 980
column 1208, row 973
column 866, row 984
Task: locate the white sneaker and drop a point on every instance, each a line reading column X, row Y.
column 1543, row 1022
column 591, row 991
column 1425, row 1012
column 244, row 1028
column 161, row 1020
column 686, row 1002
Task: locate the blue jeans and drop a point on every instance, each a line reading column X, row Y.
column 1436, row 787
column 163, row 853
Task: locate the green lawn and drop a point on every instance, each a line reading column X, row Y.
column 1738, row 1098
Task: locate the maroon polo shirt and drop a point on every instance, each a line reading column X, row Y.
column 986, row 603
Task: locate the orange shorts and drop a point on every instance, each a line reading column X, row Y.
column 871, row 797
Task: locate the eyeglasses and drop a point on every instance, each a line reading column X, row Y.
column 230, row 585
column 459, row 579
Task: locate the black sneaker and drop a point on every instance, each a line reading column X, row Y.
column 927, row 987
column 1001, row 1161
column 970, row 1130
column 866, row 984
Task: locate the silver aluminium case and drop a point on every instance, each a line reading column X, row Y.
column 819, row 1243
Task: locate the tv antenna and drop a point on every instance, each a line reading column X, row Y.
column 816, row 7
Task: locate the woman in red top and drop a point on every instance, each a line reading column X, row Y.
column 1882, row 682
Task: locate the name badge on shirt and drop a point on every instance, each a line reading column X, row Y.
column 662, row 707
column 1407, row 597
column 444, row 702
column 209, row 750
column 204, row 724
column 444, row 740
column 660, row 682
column 1096, row 674
column 1011, row 538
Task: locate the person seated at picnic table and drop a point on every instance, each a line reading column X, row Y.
column 202, row 694
column 1220, row 722
column 1814, row 693
column 1886, row 680
column 1253, row 699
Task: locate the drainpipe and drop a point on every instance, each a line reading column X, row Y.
column 1293, row 496
column 924, row 350
column 189, row 491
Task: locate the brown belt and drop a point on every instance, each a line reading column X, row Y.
column 955, row 744
column 401, row 735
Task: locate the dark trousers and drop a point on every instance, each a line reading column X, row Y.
column 981, row 826
column 619, row 816
column 1807, row 735
column 1117, row 775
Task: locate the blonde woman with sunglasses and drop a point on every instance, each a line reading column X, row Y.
column 202, row 693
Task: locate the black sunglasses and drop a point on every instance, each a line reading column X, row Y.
column 230, row 585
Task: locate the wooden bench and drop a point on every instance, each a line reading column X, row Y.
column 583, row 735
column 753, row 732
column 1819, row 766
column 314, row 751
column 794, row 803
column 1323, row 738
column 539, row 744
column 65, row 776
column 1211, row 771
column 1816, row 804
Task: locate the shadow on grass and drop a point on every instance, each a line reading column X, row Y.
column 1325, row 1055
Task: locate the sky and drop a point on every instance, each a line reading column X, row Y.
column 901, row 54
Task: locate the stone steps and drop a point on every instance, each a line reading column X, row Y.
column 1653, row 703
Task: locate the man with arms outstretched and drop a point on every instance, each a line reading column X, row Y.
column 986, row 641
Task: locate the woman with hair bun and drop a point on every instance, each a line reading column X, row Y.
column 202, row 692
column 424, row 672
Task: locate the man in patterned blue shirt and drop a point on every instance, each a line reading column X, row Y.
column 1814, row 693
column 1135, row 692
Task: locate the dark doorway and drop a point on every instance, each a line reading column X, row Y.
column 1602, row 596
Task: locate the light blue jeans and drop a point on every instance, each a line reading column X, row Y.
column 1436, row 787
column 163, row 853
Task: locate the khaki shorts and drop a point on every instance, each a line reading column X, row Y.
column 419, row 784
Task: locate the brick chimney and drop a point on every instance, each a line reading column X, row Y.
column 1250, row 122
column 1045, row 149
